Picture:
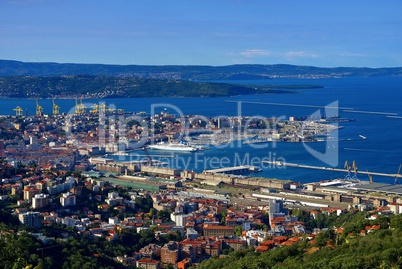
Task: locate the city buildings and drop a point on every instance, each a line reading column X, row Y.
column 40, row 200
column 31, row 219
column 68, row 199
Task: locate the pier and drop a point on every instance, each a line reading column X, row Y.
column 280, row 164
column 236, row 170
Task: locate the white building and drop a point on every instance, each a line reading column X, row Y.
column 40, row 200
column 31, row 219
column 68, row 221
column 114, row 199
column 179, row 219
column 114, row 220
column 68, row 199
column 33, row 140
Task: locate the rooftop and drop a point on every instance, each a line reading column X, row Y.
column 379, row 187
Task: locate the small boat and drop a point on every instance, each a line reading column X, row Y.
column 121, row 153
column 363, row 137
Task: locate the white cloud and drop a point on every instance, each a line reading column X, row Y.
column 300, row 54
column 255, row 53
column 25, row 1
column 348, row 54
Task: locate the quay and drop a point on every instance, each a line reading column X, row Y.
column 235, row 170
column 277, row 163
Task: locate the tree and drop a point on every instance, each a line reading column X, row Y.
column 20, row 263
column 164, row 215
column 396, row 222
column 325, row 236
column 223, row 215
column 238, row 230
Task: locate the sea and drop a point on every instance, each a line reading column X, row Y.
column 374, row 103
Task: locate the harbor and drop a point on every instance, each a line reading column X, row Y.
column 346, row 170
column 236, row 170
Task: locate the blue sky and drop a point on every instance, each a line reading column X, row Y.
column 204, row 32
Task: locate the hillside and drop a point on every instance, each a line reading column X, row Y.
column 100, row 87
column 232, row 72
column 349, row 249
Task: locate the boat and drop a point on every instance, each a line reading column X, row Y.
column 173, row 147
column 255, row 169
column 363, row 137
column 121, row 153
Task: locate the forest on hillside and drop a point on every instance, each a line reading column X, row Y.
column 128, row 87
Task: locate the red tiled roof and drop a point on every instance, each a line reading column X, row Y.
column 148, row 261
column 217, row 227
column 262, row 249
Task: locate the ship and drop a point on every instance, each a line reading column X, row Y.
column 363, row 137
column 121, row 153
column 183, row 147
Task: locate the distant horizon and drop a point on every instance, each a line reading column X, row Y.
column 360, row 33
column 259, row 64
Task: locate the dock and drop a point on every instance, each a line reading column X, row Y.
column 235, row 170
column 280, row 164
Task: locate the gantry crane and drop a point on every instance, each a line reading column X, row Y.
column 83, row 107
column 56, row 108
column 18, row 111
column 347, row 167
column 103, row 108
column 354, row 166
column 370, row 177
column 39, row 109
column 399, row 172
column 79, row 107
column 95, row 109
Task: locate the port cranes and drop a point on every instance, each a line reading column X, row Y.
column 77, row 107
column 399, row 172
column 349, row 169
column 83, row 107
column 39, row 109
column 95, row 109
column 354, row 166
column 18, row 111
column 103, row 108
column 80, row 108
column 370, row 177
column 56, row 108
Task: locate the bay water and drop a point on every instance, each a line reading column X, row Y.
column 375, row 103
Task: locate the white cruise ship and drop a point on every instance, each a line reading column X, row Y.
column 173, row 147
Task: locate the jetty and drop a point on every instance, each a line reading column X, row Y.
column 296, row 165
column 235, row 170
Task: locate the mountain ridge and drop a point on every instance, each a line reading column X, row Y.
column 191, row 72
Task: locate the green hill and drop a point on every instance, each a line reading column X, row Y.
column 100, row 87
column 190, row 72
column 378, row 249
